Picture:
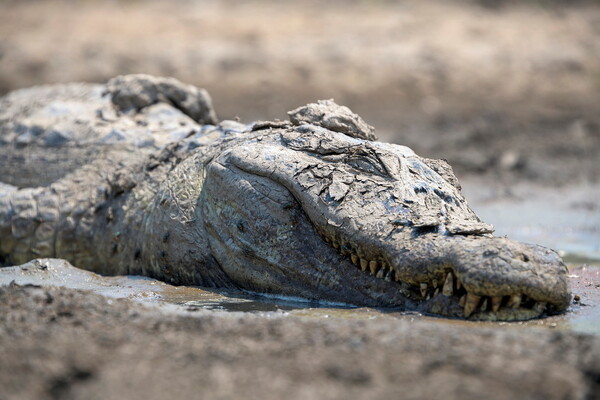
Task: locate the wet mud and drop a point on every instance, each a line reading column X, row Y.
column 143, row 339
column 583, row 315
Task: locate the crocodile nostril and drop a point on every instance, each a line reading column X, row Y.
column 423, row 230
column 524, row 257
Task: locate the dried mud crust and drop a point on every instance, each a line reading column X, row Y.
column 501, row 88
column 60, row 343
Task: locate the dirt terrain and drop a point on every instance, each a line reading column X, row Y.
column 510, row 89
column 66, row 344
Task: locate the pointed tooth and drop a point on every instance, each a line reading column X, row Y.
column 380, row 273
column 389, row 275
column 336, row 245
column 448, row 285
column 428, row 296
column 496, row 301
column 437, row 291
column 462, row 300
column 540, row 306
column 354, row 258
column 471, row 304
column 423, row 287
column 434, row 283
column 373, row 267
column 363, row 264
column 514, row 301
column 484, row 304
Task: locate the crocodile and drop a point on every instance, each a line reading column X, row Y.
column 138, row 176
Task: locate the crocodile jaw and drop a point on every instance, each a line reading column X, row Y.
column 475, row 277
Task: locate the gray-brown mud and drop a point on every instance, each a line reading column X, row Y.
column 67, row 344
column 583, row 315
column 496, row 87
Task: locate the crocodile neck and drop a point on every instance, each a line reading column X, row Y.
column 150, row 226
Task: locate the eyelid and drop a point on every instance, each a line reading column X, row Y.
column 359, row 160
column 334, row 157
column 376, row 166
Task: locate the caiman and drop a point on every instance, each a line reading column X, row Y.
column 138, row 177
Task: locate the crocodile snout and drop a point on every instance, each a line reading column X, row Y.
column 488, row 278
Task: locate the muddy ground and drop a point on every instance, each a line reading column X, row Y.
column 508, row 92
column 68, row 344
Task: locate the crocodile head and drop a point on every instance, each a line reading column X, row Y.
column 308, row 212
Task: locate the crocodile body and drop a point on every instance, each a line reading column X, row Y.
column 138, row 177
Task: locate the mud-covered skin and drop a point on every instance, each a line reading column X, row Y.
column 49, row 131
column 273, row 207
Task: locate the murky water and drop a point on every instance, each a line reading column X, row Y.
column 565, row 219
column 583, row 316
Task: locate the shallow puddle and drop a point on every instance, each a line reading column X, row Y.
column 583, row 316
column 566, row 219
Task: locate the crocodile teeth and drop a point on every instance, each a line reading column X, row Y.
column 390, row 276
column 496, row 300
column 448, row 285
column 423, row 289
column 462, row 300
column 471, row 304
column 336, row 245
column 436, row 292
column 514, row 301
column 540, row 306
column 380, row 273
column 373, row 267
column 484, row 305
column 434, row 283
column 363, row 264
column 354, row 259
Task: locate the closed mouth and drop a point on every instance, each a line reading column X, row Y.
column 445, row 295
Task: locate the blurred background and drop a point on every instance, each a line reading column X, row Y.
column 507, row 91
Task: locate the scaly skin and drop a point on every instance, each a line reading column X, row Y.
column 314, row 208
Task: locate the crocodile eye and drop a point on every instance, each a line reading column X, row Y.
column 367, row 163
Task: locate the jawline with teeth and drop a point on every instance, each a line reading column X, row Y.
column 448, row 296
